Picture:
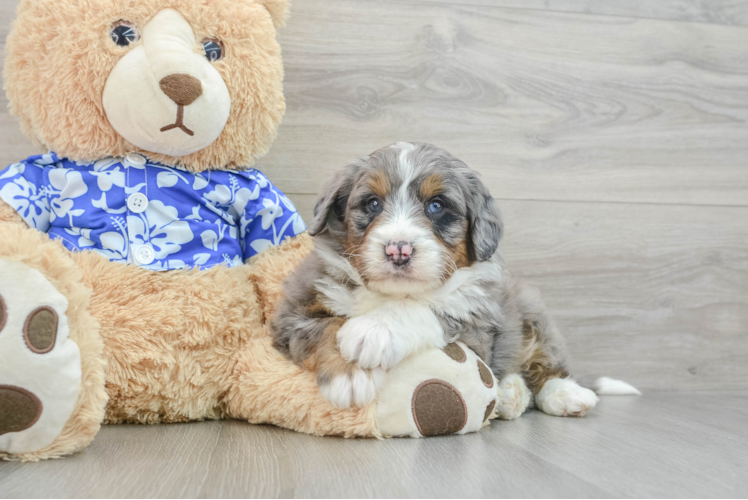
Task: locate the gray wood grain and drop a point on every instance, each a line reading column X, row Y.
column 730, row 12
column 654, row 294
column 546, row 105
column 14, row 145
column 658, row 445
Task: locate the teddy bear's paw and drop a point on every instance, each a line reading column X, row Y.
column 563, row 397
column 514, row 397
column 40, row 369
column 357, row 388
column 369, row 342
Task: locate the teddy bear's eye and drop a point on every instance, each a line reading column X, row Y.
column 213, row 49
column 123, row 33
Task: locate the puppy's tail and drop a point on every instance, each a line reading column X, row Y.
column 613, row 387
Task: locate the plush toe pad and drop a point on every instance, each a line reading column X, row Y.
column 19, row 409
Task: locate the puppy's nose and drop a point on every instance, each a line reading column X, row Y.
column 398, row 252
column 182, row 89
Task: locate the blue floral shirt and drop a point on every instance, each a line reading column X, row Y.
column 132, row 210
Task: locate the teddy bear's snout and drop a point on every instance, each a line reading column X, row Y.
column 181, row 88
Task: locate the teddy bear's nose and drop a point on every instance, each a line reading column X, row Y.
column 182, row 89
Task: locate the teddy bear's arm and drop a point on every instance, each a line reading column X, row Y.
column 9, row 216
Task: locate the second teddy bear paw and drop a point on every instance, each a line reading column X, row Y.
column 40, row 369
column 514, row 397
column 357, row 388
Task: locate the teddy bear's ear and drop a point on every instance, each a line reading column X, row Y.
column 278, row 10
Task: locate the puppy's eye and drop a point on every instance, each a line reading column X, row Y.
column 374, row 206
column 123, row 33
column 213, row 49
column 436, row 207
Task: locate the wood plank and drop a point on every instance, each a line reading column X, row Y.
column 658, row 445
column 14, row 145
column 546, row 105
column 729, row 12
column 654, row 294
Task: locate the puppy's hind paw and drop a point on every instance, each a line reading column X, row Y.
column 514, row 397
column 357, row 388
column 563, row 397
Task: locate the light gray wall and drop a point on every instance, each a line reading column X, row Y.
column 614, row 135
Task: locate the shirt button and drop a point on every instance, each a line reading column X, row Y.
column 144, row 255
column 137, row 203
column 135, row 159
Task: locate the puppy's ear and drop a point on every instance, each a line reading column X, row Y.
column 329, row 211
column 486, row 225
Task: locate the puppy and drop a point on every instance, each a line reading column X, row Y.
column 406, row 258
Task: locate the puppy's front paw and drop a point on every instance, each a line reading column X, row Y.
column 563, row 397
column 369, row 342
column 514, row 396
column 356, row 388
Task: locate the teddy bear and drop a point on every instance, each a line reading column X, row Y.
column 141, row 256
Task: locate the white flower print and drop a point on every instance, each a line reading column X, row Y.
column 261, row 180
column 271, row 212
column 84, row 236
column 30, row 203
column 169, row 177
column 261, row 244
column 201, row 258
column 88, row 203
column 108, row 172
column 65, row 185
column 232, row 262
column 231, row 199
column 211, row 238
column 199, row 183
column 160, row 226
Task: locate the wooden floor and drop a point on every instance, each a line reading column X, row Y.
column 660, row 445
column 615, row 136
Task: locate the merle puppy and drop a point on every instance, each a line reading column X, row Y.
column 406, row 257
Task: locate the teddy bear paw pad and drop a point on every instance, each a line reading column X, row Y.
column 40, row 368
column 436, row 392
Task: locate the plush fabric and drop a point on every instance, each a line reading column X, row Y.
column 194, row 103
column 56, row 365
column 54, row 77
column 19, row 244
column 437, row 392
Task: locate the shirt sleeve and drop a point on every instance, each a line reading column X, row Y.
column 269, row 217
column 22, row 187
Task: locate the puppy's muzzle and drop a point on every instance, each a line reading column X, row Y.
column 399, row 252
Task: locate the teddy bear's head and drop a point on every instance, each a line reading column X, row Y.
column 190, row 83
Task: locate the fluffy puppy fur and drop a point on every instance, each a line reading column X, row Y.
column 405, row 258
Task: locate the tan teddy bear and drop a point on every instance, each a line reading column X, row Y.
column 164, row 254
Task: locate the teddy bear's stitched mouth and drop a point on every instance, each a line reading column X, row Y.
column 179, row 123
